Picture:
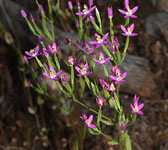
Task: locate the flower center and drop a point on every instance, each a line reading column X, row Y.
column 52, row 75
column 32, row 51
column 129, row 12
column 128, row 31
column 136, row 108
column 88, row 50
column 83, row 70
column 54, row 49
column 71, row 60
column 112, row 86
column 98, row 38
column 85, row 10
column 119, row 78
column 100, row 101
column 87, row 122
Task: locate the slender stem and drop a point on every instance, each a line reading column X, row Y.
column 106, row 51
column 107, row 136
column 125, row 50
column 87, row 107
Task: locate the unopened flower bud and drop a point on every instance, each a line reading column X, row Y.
column 32, row 18
column 90, row 2
column 26, row 60
column 92, row 18
column 70, row 5
column 41, row 9
column 23, row 13
column 110, row 12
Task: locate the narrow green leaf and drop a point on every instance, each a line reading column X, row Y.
column 128, row 143
column 113, row 142
column 72, row 77
column 40, row 101
column 32, row 110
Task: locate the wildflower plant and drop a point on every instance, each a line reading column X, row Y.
column 81, row 64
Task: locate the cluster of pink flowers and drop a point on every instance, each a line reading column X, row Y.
column 82, row 67
column 129, row 13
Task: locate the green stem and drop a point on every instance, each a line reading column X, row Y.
column 106, row 51
column 125, row 50
column 40, row 64
column 87, row 107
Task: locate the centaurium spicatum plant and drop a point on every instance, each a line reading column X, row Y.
column 80, row 59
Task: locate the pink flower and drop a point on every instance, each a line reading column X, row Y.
column 102, row 82
column 118, row 78
column 54, row 48
column 110, row 87
column 100, row 101
column 23, row 13
column 46, row 52
column 89, row 50
column 31, row 17
column 99, row 41
column 41, row 9
column 129, row 12
column 83, row 117
column 88, row 121
column 70, row 5
column 26, row 59
column 83, row 71
column 136, row 109
column 128, row 31
column 71, row 60
column 86, row 12
column 122, row 125
column 33, row 52
column 114, row 68
column 110, row 12
column 101, row 59
column 52, row 75
column 90, row 2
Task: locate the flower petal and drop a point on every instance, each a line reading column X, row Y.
column 141, row 106
column 92, row 126
column 122, row 11
column 90, row 118
column 132, row 27
column 123, row 28
column 134, row 9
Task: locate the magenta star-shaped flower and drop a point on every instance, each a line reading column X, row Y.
column 88, row 121
column 83, row 71
column 99, row 41
column 71, row 60
column 86, row 12
column 52, row 75
column 128, row 31
column 135, row 108
column 100, row 101
column 101, row 59
column 129, row 12
column 118, row 77
column 110, row 87
column 89, row 50
column 33, row 52
column 54, row 48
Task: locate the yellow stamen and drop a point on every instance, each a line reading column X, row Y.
column 54, row 48
column 100, row 58
column 136, row 108
column 112, row 86
column 83, row 70
column 100, row 102
column 98, row 38
column 128, row 29
column 32, row 51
